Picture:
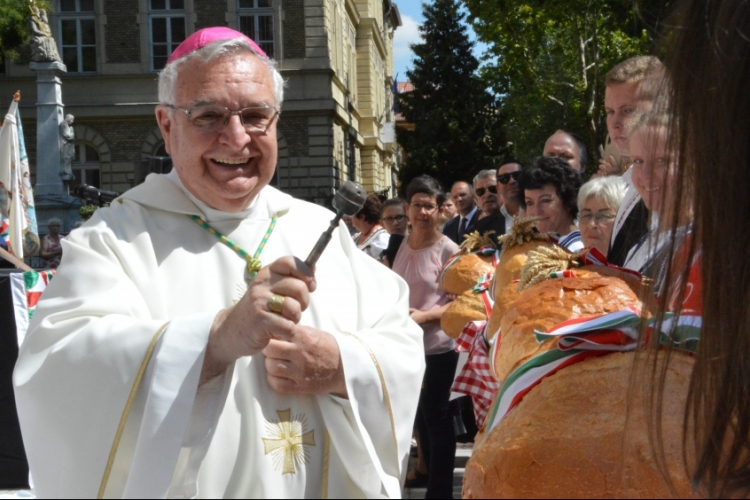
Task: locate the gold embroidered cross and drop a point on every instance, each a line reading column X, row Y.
column 287, row 442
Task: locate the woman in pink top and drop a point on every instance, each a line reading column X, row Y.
column 419, row 261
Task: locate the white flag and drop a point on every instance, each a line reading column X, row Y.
column 17, row 212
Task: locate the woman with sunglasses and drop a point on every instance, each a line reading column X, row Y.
column 550, row 192
column 419, row 262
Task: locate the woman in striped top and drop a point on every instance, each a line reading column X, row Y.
column 550, row 192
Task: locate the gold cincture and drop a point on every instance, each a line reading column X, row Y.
column 287, row 442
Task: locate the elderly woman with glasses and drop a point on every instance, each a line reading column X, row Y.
column 598, row 202
column 51, row 244
column 550, row 192
column 419, row 262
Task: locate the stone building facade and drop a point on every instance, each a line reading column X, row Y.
column 336, row 55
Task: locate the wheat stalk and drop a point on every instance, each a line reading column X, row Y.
column 542, row 262
column 522, row 231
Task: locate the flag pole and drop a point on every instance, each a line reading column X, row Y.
column 14, row 260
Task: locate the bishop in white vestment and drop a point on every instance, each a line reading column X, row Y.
column 114, row 390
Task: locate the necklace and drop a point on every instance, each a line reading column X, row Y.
column 253, row 262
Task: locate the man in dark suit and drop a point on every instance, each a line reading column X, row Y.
column 488, row 199
column 462, row 194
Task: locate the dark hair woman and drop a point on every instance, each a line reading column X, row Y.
column 419, row 261
column 549, row 190
column 709, row 68
column 371, row 237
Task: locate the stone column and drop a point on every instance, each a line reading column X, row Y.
column 49, row 116
column 50, row 193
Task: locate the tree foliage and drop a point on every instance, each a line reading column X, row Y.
column 548, row 60
column 457, row 123
column 14, row 24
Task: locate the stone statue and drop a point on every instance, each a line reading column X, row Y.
column 43, row 46
column 68, row 150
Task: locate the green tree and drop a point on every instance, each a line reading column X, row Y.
column 548, row 60
column 457, row 122
column 14, row 24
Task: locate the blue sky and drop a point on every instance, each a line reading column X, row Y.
column 411, row 17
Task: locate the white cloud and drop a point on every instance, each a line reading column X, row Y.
column 405, row 35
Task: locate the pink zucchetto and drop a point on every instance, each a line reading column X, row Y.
column 203, row 37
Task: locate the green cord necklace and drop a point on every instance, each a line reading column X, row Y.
column 253, row 262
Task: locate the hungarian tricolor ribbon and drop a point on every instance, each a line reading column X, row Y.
column 476, row 379
column 582, row 338
column 484, row 283
column 26, row 290
column 593, row 257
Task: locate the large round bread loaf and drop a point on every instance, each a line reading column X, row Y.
column 503, row 301
column 511, row 262
column 467, row 307
column 567, row 438
column 598, row 290
column 462, row 271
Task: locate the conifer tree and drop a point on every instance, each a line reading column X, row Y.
column 457, row 122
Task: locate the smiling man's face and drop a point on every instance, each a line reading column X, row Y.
column 225, row 169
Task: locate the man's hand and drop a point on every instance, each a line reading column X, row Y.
column 308, row 362
column 246, row 328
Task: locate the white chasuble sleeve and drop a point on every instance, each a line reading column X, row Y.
column 384, row 366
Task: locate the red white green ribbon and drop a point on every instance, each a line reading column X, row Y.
column 593, row 257
column 27, row 289
column 583, row 338
column 482, row 288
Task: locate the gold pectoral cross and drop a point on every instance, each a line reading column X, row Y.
column 286, row 442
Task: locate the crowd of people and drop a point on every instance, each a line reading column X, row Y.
column 262, row 393
column 616, row 211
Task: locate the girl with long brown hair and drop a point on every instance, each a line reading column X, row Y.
column 709, row 69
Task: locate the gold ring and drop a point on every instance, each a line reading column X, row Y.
column 275, row 303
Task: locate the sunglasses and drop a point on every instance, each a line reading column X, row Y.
column 505, row 178
column 491, row 189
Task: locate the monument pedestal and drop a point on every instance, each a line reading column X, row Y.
column 51, row 194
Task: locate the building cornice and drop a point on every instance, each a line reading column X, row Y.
column 351, row 8
column 371, row 24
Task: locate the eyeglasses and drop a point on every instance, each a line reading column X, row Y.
column 429, row 207
column 396, row 218
column 600, row 219
column 491, row 189
column 213, row 118
column 505, row 178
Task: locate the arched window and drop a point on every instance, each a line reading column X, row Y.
column 86, row 166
